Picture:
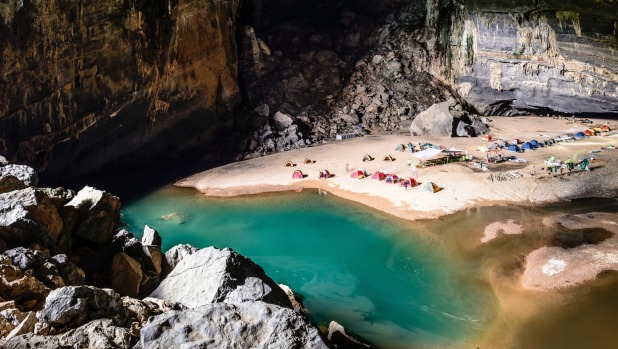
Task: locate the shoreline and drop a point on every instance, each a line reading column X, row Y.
column 464, row 185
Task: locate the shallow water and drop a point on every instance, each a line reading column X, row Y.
column 398, row 284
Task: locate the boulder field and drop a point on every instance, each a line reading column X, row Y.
column 70, row 278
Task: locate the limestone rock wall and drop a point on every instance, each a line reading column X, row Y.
column 98, row 83
column 508, row 57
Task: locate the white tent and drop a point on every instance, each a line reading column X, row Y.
column 427, row 153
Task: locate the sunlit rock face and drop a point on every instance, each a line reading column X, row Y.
column 512, row 57
column 99, row 83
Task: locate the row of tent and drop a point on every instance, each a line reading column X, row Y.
column 414, row 148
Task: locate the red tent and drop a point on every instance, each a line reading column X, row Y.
column 605, row 128
column 297, row 174
column 378, row 175
column 324, row 174
column 588, row 133
column 358, row 174
column 413, row 182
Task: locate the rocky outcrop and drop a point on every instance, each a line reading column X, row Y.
column 129, row 80
column 95, row 215
column 341, row 340
column 212, row 275
column 222, row 325
column 446, row 120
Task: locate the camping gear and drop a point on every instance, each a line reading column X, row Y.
column 289, row 164
column 534, row 143
column 413, row 182
column 487, row 138
column 605, row 128
column 515, row 141
column 298, row 174
column 579, row 135
column 551, row 141
column 502, row 144
column 427, row 153
column 592, row 131
column 482, row 148
column 309, row 161
column 358, row 174
column 431, row 187
column 378, row 175
column 410, row 147
column 513, row 147
column 589, row 133
column 493, row 146
column 367, row 157
column 324, row 174
column 400, row 147
column 526, row 146
column 392, row 179
column 388, row 158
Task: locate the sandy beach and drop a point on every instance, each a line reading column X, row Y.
column 464, row 184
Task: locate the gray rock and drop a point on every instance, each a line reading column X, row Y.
column 349, row 118
column 212, row 275
column 479, row 127
column 3, row 161
column 221, row 325
column 341, row 340
column 140, row 310
column 437, row 121
column 26, row 326
column 174, row 255
column 70, row 307
column 15, row 177
column 262, row 110
column 34, row 341
column 98, row 214
column 151, row 237
column 23, row 288
column 72, row 275
column 282, row 121
column 25, row 258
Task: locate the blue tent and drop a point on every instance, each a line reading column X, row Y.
column 513, row 147
column 580, row 135
column 526, row 145
column 534, row 143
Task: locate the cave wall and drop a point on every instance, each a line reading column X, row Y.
column 513, row 57
column 93, row 84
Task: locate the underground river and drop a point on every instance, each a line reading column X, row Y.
column 394, row 283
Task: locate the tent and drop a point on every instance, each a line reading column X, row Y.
column 400, row 147
column 378, row 175
column 413, row 182
column 391, row 178
column 309, row 161
column 589, row 133
column 580, row 135
column 605, row 128
column 534, row 143
column 513, row 147
column 493, row 146
column 551, row 141
column 410, row 147
column 502, row 144
column 298, row 174
column 515, row 141
column 482, row 148
column 526, row 146
column 487, row 138
column 598, row 130
column 324, row 174
column 592, row 131
column 358, row 174
column 431, row 187
column 388, row 158
column 367, row 157
column 289, row 164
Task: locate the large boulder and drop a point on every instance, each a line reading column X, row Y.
column 282, row 121
column 126, row 275
column 174, row 255
column 70, row 307
column 151, row 237
column 97, row 215
column 437, row 121
column 21, row 287
column 221, row 325
column 213, row 275
column 15, row 177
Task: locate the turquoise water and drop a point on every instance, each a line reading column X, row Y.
column 370, row 272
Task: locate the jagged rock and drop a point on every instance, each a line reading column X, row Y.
column 282, row 121
column 49, row 275
column 126, row 275
column 437, row 121
column 126, row 242
column 26, row 326
column 25, row 258
column 3, row 161
column 212, row 275
column 140, row 310
column 100, row 333
column 16, row 177
column 341, row 340
column 296, row 304
column 72, row 275
column 70, row 307
column 174, row 255
column 221, row 325
column 151, row 237
column 21, row 287
column 262, row 110
column 98, row 213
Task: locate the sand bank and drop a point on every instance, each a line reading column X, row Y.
column 464, row 184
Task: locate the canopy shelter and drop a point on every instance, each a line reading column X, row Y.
column 367, row 157
column 378, row 175
column 289, row 163
column 298, row 174
column 358, row 174
column 431, row 187
column 427, row 153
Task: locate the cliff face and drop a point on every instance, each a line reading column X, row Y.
column 98, row 83
column 508, row 57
